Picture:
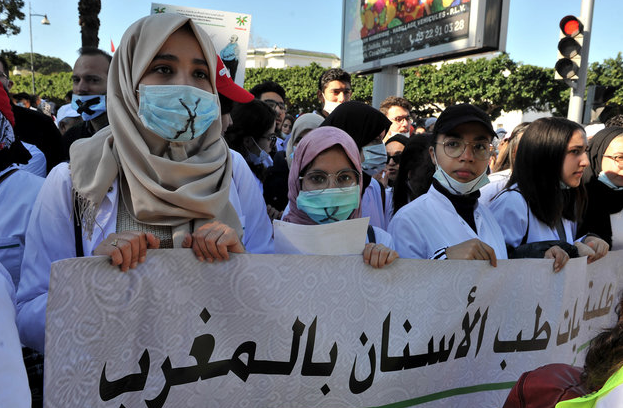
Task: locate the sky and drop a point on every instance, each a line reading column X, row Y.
column 532, row 34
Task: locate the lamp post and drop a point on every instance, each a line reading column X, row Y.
column 45, row 21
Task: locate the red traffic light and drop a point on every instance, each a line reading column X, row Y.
column 571, row 26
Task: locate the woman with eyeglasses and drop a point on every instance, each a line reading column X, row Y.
column 604, row 185
column 324, row 186
column 447, row 222
column 544, row 199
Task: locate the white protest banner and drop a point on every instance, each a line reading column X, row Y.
column 314, row 331
column 228, row 31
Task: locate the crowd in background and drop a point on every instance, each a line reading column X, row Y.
column 157, row 147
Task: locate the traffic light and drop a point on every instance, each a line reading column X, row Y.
column 569, row 48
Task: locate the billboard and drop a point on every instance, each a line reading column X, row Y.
column 228, row 31
column 379, row 33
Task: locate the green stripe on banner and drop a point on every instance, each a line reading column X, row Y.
column 9, row 246
column 450, row 393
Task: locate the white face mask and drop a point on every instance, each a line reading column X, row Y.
column 456, row 187
column 330, row 106
column 604, row 179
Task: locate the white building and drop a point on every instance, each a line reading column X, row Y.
column 288, row 57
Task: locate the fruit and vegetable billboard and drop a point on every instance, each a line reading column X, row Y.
column 379, row 33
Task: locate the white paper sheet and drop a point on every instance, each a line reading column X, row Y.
column 338, row 238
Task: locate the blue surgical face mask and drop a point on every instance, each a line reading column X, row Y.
column 329, row 205
column 374, row 159
column 604, row 179
column 89, row 106
column 264, row 158
column 456, row 187
column 177, row 112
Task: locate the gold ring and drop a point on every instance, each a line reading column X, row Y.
column 114, row 243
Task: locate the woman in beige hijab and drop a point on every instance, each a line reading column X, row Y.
column 160, row 176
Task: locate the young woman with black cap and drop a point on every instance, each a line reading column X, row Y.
column 447, row 221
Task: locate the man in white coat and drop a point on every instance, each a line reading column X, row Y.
column 447, row 222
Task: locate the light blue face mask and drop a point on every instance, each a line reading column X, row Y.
column 263, row 159
column 374, row 159
column 604, row 179
column 329, row 205
column 456, row 187
column 177, row 112
column 89, row 106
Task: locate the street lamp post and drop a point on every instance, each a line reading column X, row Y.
column 45, row 21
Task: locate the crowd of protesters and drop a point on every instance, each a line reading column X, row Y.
column 157, row 147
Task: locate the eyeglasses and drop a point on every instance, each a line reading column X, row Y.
column 318, row 180
column 395, row 157
column 456, row 147
column 617, row 159
column 275, row 104
column 271, row 137
column 399, row 119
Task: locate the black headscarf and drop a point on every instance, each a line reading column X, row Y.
column 602, row 200
column 362, row 122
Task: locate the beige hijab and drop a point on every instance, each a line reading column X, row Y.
column 161, row 182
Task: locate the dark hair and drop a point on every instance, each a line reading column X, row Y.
column 226, row 104
column 395, row 101
column 616, row 120
column 290, row 118
column 506, row 159
column 333, row 74
column 21, row 96
column 268, row 86
column 538, row 165
column 604, row 357
column 5, row 65
column 415, row 159
column 94, row 51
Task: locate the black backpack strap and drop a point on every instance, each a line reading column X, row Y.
column 7, row 174
column 383, row 197
column 371, row 235
column 78, row 232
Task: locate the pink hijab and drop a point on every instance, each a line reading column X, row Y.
column 314, row 143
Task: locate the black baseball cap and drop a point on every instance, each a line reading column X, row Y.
column 456, row 115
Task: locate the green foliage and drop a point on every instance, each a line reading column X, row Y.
column 608, row 73
column 10, row 10
column 43, row 64
column 492, row 84
column 50, row 87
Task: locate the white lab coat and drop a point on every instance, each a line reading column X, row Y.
column 15, row 392
column 50, row 237
column 511, row 211
column 430, row 223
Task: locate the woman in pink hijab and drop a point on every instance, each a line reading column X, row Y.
column 325, row 185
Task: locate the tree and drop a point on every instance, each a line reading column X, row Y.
column 88, row 11
column 44, row 64
column 10, row 10
column 494, row 85
column 12, row 58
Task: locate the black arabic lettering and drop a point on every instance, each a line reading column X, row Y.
column 129, row 383
column 389, row 363
column 356, row 386
column 509, row 346
column 317, row 369
column 464, row 345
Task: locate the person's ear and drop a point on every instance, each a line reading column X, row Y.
column 320, row 96
column 431, row 152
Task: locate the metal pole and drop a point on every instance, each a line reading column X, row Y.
column 32, row 64
column 576, row 100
